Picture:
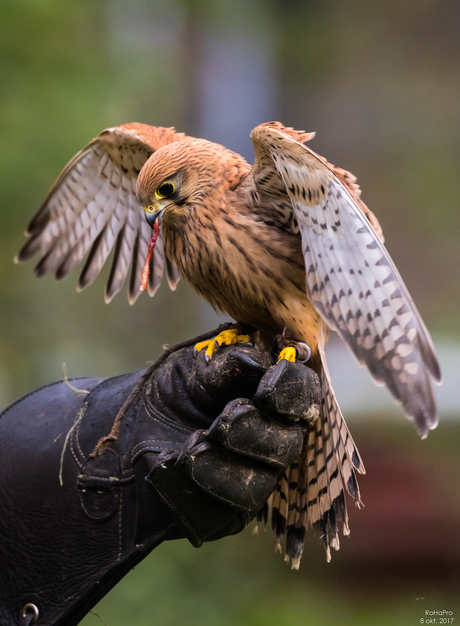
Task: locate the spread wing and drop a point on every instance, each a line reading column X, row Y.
column 92, row 209
column 350, row 277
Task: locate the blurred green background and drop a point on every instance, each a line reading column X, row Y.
column 380, row 84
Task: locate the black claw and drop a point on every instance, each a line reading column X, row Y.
column 307, row 350
column 207, row 358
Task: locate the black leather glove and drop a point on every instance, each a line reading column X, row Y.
column 72, row 526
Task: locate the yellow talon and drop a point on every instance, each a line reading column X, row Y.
column 288, row 353
column 225, row 338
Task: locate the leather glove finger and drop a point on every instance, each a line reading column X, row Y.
column 289, row 390
column 189, row 389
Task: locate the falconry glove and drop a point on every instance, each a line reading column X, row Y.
column 199, row 452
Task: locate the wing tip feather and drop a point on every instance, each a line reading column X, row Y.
column 109, row 295
column 28, row 250
column 133, row 296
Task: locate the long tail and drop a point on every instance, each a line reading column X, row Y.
column 311, row 493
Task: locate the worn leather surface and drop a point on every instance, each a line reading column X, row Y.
column 63, row 547
column 179, row 468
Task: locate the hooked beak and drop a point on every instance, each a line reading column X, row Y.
column 152, row 213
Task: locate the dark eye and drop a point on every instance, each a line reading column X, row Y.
column 166, row 189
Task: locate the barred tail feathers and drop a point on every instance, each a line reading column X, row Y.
column 344, row 446
column 311, row 493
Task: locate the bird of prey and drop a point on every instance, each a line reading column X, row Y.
column 285, row 246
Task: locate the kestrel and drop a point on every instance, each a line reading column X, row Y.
column 286, row 245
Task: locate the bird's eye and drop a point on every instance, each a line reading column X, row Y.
column 165, row 190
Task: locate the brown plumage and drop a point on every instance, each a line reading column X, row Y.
column 286, row 244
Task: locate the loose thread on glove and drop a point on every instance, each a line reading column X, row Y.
column 76, row 423
column 79, row 392
column 112, row 437
column 97, row 615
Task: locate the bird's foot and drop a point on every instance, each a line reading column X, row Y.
column 225, row 338
column 295, row 351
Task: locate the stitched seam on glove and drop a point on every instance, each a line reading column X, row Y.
column 130, row 474
column 75, row 447
column 154, row 449
column 114, row 481
column 76, row 433
column 74, row 444
column 80, row 463
column 154, row 414
column 178, row 513
column 29, row 395
column 148, row 441
column 258, row 457
column 216, row 495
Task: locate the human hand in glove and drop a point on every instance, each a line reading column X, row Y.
column 215, row 481
column 199, row 452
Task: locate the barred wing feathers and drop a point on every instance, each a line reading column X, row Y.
column 351, row 279
column 92, row 209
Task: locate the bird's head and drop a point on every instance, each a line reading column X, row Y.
column 180, row 175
